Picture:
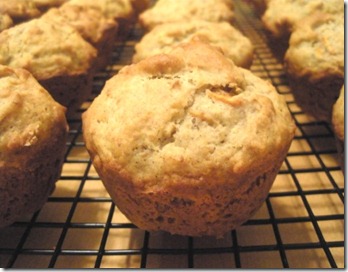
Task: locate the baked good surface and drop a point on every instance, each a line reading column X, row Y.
column 19, row 10
column 314, row 63
column 5, row 21
column 121, row 10
column 91, row 24
column 223, row 35
column 32, row 143
column 167, row 11
column 281, row 16
column 57, row 56
column 187, row 142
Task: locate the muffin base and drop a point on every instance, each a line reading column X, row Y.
column 316, row 98
column 25, row 187
column 191, row 209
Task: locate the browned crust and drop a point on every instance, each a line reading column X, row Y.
column 316, row 97
column 191, row 207
column 25, row 187
column 180, row 191
column 34, row 131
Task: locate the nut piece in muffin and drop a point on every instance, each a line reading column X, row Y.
column 91, row 24
column 281, row 16
column 223, row 35
column 168, row 11
column 56, row 55
column 338, row 125
column 187, row 142
column 33, row 132
column 314, row 63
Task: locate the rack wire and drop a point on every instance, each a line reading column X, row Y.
column 300, row 225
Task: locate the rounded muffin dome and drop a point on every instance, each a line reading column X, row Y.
column 187, row 142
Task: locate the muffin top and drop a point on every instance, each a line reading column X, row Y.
column 46, row 49
column 164, row 37
column 281, row 16
column 19, row 9
column 111, row 9
column 90, row 23
column 28, row 114
column 166, row 11
column 5, row 21
column 316, row 48
column 188, row 114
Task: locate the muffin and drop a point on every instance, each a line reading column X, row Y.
column 187, row 142
column 338, row 125
column 91, row 24
column 164, row 37
column 57, row 56
column 5, row 21
column 314, row 64
column 168, row 11
column 19, row 10
column 121, row 10
column 281, row 16
column 32, row 143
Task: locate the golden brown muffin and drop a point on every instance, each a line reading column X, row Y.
column 314, row 64
column 32, row 144
column 164, row 37
column 19, row 10
column 5, row 21
column 168, row 11
column 281, row 16
column 91, row 24
column 120, row 10
column 57, row 56
column 338, row 125
column 187, row 142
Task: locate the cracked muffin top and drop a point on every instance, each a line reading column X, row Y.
column 316, row 48
column 164, row 37
column 46, row 49
column 19, row 9
column 189, row 113
column 110, row 8
column 166, row 11
column 28, row 115
column 90, row 23
column 281, row 16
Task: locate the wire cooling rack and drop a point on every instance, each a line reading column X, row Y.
column 300, row 225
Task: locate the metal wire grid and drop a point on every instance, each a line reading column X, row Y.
column 300, row 225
